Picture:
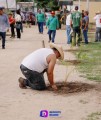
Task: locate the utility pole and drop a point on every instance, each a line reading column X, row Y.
column 88, row 5
column 79, row 5
column 7, row 4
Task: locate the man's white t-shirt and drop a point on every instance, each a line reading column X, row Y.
column 98, row 20
column 17, row 18
column 68, row 19
column 36, row 61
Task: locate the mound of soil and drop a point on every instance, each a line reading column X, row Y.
column 71, row 87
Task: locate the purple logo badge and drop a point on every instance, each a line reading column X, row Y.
column 44, row 113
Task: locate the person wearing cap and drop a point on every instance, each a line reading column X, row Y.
column 35, row 64
column 97, row 18
column 4, row 25
column 52, row 24
column 40, row 20
column 76, row 24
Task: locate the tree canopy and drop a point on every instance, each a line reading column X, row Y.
column 51, row 4
column 47, row 4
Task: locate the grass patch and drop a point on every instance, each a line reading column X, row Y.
column 94, row 116
column 90, row 63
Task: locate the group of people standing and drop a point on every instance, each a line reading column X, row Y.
column 10, row 21
column 77, row 23
column 16, row 21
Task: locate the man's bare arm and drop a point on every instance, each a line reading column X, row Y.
column 52, row 62
column 71, row 23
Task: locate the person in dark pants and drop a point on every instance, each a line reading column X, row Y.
column 18, row 29
column 76, row 24
column 12, row 23
column 4, row 25
column 85, row 22
column 53, row 25
column 40, row 20
column 97, row 18
column 34, row 79
column 18, row 23
column 34, row 65
column 3, row 36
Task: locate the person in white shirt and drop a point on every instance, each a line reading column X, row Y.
column 68, row 28
column 97, row 18
column 18, row 23
column 34, row 65
column 22, row 20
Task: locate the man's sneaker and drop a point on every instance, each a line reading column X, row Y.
column 49, row 41
column 21, row 83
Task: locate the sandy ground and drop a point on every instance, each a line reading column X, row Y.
column 19, row 104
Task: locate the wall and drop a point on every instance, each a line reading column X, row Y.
column 93, row 8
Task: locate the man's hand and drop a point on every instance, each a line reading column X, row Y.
column 51, row 60
column 85, row 28
column 54, row 87
column 7, row 30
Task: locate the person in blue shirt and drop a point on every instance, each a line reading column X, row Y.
column 4, row 25
column 85, row 22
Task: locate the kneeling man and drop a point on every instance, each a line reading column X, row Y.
column 34, row 65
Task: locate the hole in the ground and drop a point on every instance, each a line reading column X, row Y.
column 71, row 87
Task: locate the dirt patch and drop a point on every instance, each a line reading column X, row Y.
column 72, row 87
column 66, row 62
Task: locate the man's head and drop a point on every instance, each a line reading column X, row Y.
column 76, row 8
column 10, row 15
column 39, row 11
column 4, row 10
column 53, row 13
column 1, row 10
column 57, row 50
column 82, row 11
column 86, row 13
column 18, row 12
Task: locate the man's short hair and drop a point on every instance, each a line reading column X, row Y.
column 87, row 12
column 76, row 7
column 54, row 49
column 1, row 8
